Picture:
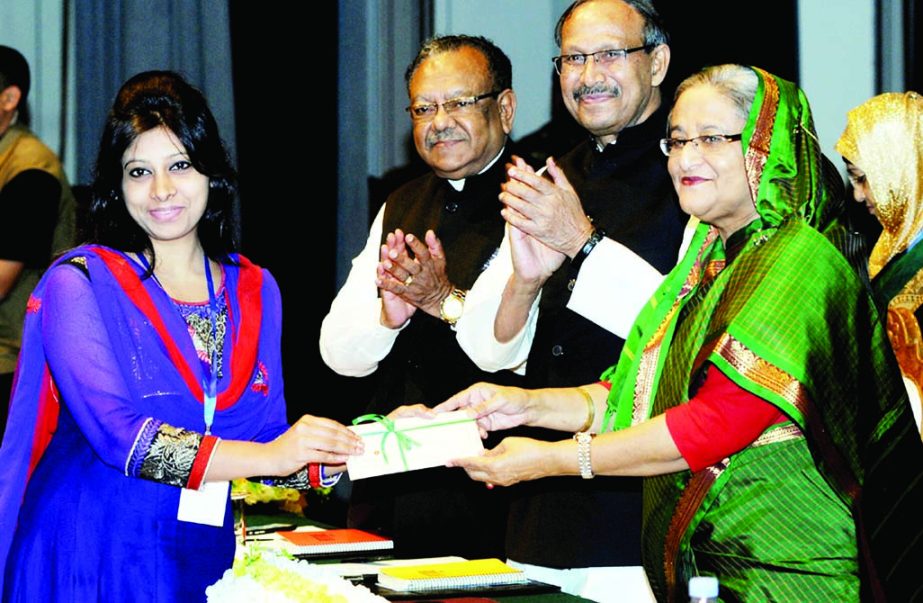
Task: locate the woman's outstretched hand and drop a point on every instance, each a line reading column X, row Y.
column 312, row 440
column 513, row 460
column 495, row 407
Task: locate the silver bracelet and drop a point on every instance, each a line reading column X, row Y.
column 584, row 462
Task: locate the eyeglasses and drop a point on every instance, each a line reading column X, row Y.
column 708, row 143
column 604, row 58
column 454, row 106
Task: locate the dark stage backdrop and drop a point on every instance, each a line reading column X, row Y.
column 711, row 32
column 913, row 40
column 287, row 152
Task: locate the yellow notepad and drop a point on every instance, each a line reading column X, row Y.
column 477, row 572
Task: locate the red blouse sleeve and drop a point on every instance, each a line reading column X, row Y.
column 721, row 419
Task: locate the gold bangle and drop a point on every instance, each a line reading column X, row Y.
column 591, row 410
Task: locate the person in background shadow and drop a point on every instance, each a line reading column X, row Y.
column 396, row 312
column 38, row 213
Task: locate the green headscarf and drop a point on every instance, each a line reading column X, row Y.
column 784, row 171
column 782, row 156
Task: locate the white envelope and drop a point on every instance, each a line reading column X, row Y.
column 426, row 443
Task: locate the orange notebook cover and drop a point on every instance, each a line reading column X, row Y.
column 334, row 541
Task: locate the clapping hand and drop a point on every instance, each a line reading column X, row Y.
column 419, row 281
column 394, row 310
column 533, row 261
column 548, row 210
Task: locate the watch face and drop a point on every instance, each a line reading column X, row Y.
column 452, row 307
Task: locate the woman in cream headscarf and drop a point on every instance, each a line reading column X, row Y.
column 883, row 148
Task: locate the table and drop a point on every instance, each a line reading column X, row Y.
column 263, row 519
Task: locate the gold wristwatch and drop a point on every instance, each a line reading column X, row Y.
column 450, row 310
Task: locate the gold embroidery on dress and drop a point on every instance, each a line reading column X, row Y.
column 761, row 372
column 650, row 355
column 910, row 295
column 758, row 147
column 171, row 455
column 713, row 268
column 779, row 434
column 200, row 329
column 907, row 343
column 690, row 500
column 644, row 384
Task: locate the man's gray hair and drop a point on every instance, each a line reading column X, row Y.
column 654, row 32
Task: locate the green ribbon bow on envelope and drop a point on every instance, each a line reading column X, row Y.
column 404, row 441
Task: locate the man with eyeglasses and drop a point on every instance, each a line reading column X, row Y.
column 590, row 242
column 397, row 311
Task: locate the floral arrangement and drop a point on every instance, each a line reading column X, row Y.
column 262, row 575
column 289, row 500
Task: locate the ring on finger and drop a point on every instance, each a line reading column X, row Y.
column 408, row 280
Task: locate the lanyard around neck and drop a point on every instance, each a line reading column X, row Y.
column 210, row 383
column 211, row 388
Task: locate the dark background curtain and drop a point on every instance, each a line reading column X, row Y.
column 116, row 40
column 287, row 142
column 719, row 31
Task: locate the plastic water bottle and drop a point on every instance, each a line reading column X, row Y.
column 703, row 589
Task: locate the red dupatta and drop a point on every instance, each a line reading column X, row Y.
column 245, row 345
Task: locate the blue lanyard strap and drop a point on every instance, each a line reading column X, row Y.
column 210, row 385
column 210, row 389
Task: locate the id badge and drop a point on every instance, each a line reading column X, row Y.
column 205, row 505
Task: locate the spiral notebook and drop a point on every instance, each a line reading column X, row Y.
column 324, row 542
column 459, row 574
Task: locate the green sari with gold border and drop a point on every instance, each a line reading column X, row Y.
column 785, row 317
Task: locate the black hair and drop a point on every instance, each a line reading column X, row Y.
column 14, row 71
column 147, row 101
column 498, row 64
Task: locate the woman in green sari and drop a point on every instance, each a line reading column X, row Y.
column 883, row 149
column 756, row 383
